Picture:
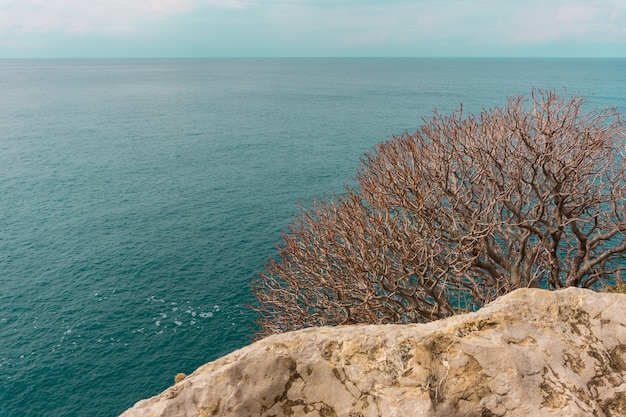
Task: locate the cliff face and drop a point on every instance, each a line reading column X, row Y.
column 530, row 353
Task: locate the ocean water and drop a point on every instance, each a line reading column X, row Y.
column 139, row 197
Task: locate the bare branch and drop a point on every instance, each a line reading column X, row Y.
column 456, row 214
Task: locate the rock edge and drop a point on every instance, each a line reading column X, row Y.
column 529, row 353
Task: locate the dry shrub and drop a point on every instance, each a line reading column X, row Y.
column 464, row 210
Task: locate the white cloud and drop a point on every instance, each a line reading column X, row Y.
column 330, row 26
column 580, row 21
column 228, row 4
column 460, row 26
column 529, row 23
column 77, row 16
column 341, row 25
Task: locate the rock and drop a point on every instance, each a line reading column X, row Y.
column 530, row 353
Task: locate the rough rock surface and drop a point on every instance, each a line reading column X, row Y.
column 530, row 353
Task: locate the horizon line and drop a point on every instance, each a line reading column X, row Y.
column 308, row 57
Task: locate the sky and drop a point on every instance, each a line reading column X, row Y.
column 312, row 28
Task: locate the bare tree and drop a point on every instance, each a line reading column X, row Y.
column 466, row 209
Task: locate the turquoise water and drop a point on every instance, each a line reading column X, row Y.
column 138, row 198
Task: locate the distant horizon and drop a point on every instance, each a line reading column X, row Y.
column 60, row 58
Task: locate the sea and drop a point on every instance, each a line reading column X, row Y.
column 138, row 198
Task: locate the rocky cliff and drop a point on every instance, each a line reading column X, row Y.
column 530, row 353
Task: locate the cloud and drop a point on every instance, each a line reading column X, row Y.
column 456, row 27
column 342, row 23
column 324, row 27
column 480, row 21
column 79, row 16
column 228, row 4
column 580, row 21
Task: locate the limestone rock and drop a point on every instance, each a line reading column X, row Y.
column 530, row 353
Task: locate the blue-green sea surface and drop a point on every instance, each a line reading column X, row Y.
column 139, row 197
